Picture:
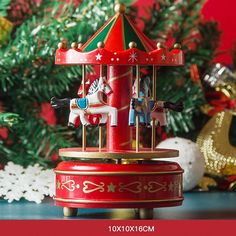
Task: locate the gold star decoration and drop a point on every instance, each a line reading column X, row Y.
column 111, row 187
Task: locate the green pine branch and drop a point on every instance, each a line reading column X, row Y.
column 35, row 142
column 4, row 5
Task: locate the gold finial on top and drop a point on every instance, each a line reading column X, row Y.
column 100, row 44
column 177, row 46
column 132, row 45
column 74, row 45
column 120, row 8
column 160, row 45
column 80, row 45
column 62, row 44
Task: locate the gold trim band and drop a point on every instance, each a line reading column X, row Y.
column 124, row 108
column 118, row 202
column 115, row 173
column 120, row 76
column 144, row 155
column 125, row 143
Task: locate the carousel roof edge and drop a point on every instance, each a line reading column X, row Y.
column 132, row 56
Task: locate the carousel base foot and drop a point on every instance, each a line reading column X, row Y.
column 145, row 213
column 69, row 212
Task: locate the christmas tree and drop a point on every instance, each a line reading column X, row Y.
column 29, row 77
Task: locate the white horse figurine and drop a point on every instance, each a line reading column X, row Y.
column 92, row 104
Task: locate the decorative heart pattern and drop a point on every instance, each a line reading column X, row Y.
column 134, row 187
column 90, row 187
column 154, row 186
column 69, row 185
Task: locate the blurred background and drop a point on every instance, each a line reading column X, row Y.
column 31, row 131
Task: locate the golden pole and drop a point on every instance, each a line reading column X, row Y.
column 154, row 96
column 84, row 94
column 100, row 127
column 137, row 117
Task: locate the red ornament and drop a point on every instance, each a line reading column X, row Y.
column 219, row 102
column 194, row 73
column 3, row 133
column 48, row 113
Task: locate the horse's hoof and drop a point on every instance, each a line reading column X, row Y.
column 86, row 124
column 102, row 124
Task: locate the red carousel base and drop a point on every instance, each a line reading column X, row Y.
column 146, row 184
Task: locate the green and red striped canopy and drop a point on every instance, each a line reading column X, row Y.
column 116, row 34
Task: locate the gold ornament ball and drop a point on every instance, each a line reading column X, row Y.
column 177, row 46
column 100, row 45
column 132, row 45
column 74, row 45
column 62, row 44
column 80, row 45
column 120, row 8
column 160, row 45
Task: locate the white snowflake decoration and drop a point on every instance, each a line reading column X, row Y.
column 32, row 183
column 133, row 57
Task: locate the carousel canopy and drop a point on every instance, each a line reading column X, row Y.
column 118, row 42
column 117, row 33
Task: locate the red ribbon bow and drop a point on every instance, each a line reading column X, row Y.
column 220, row 102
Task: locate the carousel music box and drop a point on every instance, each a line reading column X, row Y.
column 115, row 174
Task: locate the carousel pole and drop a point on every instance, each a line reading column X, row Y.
column 120, row 80
column 84, row 94
column 154, row 96
column 101, row 73
column 137, row 117
column 100, row 127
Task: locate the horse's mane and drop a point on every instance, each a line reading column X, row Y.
column 93, row 87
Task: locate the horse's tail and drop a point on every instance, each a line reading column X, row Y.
column 177, row 106
column 59, row 103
